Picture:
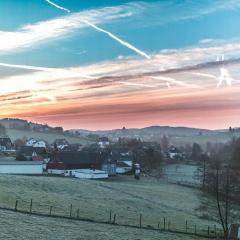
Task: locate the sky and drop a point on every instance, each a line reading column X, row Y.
column 108, row 64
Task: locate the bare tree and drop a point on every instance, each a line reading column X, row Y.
column 223, row 196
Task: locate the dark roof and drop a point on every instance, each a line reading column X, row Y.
column 29, row 150
column 78, row 157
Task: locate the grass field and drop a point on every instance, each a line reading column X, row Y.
column 26, row 227
column 49, row 137
column 126, row 197
column 221, row 137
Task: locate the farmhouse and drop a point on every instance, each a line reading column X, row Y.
column 29, row 153
column 11, row 166
column 90, row 159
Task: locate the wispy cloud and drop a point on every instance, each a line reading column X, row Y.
column 34, row 34
column 111, row 35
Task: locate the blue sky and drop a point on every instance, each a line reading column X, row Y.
column 160, row 25
column 100, row 53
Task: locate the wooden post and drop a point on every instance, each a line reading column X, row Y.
column 78, row 213
column 16, row 205
column 110, row 216
column 195, row 229
column 140, row 221
column 70, row 210
column 158, row 225
column 114, row 219
column 164, row 224
column 50, row 211
column 30, row 209
column 186, row 226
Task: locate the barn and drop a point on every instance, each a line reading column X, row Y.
column 86, row 159
column 11, row 166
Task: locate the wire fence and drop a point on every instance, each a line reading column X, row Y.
column 112, row 217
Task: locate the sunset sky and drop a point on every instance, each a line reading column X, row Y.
column 108, row 64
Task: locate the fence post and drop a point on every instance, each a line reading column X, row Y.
column 164, row 224
column 30, row 208
column 195, row 229
column 158, row 225
column 70, row 211
column 16, row 205
column 110, row 216
column 140, row 221
column 50, row 211
column 114, row 219
column 186, row 226
column 78, row 213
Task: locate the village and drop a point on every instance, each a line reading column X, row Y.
column 127, row 164
column 37, row 157
column 52, row 151
column 98, row 160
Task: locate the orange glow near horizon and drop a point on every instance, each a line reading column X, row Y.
column 190, row 98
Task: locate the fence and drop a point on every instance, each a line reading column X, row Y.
column 111, row 217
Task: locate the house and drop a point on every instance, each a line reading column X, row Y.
column 5, row 144
column 30, row 142
column 174, row 154
column 124, row 160
column 103, row 142
column 29, row 153
column 11, row 166
column 124, row 167
column 36, row 143
column 61, row 143
column 85, row 159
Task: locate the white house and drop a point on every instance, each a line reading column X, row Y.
column 36, row 143
column 30, row 142
column 103, row 142
column 40, row 143
column 124, row 166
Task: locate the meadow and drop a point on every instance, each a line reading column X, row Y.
column 124, row 196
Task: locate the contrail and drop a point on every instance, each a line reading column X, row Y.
column 174, row 81
column 45, row 69
column 204, row 75
column 128, row 45
column 111, row 35
column 57, row 6
column 69, row 73
column 136, row 84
